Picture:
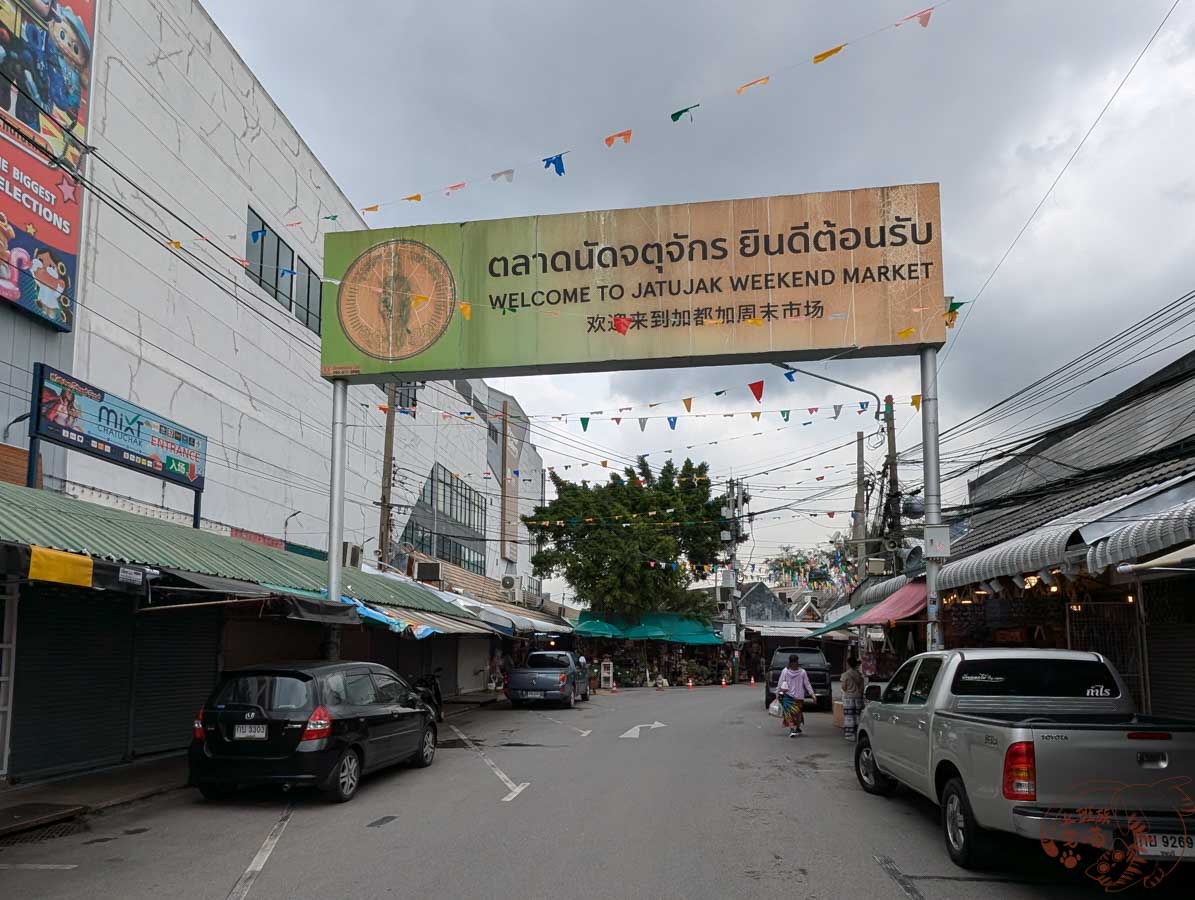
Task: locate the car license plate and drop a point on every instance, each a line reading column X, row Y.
column 1165, row 846
column 250, row 733
column 533, row 695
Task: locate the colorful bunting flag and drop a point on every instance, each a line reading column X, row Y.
column 830, row 515
column 584, row 423
column 622, row 324
column 863, row 404
column 282, row 273
column 756, row 388
column 688, row 401
column 556, row 163
column 672, row 422
column 605, row 463
column 790, row 375
column 922, row 17
column 467, row 311
column 826, row 54
column 906, row 333
column 331, row 218
column 917, row 402
column 784, row 413
column 417, row 198
column 813, row 410
column 837, row 410
column 760, row 81
column 719, row 393
column 506, row 174
column 257, row 235
column 617, row 420
column 676, row 116
column 177, row 245
column 625, row 135
column 372, row 208
column 755, row 415
column 453, row 188
column 642, row 424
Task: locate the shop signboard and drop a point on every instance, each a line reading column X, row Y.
column 842, row 273
column 45, row 104
column 88, row 419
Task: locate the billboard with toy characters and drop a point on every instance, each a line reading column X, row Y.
column 46, row 47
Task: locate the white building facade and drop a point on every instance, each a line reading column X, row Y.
column 220, row 332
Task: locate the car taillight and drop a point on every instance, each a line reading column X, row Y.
column 563, row 679
column 197, row 730
column 319, row 725
column 1020, row 772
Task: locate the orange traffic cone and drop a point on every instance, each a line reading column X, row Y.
column 752, row 681
column 723, row 681
column 690, row 683
column 614, row 689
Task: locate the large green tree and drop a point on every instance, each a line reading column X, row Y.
column 604, row 538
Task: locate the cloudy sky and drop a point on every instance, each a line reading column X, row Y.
column 990, row 100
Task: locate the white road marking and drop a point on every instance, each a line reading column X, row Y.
column 240, row 890
column 515, row 789
column 634, row 732
column 583, row 733
column 34, row 867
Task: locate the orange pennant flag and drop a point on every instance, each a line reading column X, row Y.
column 419, row 300
column 177, row 245
column 922, row 17
column 625, row 135
column 688, row 401
column 467, row 311
column 917, row 402
column 604, row 462
column 373, row 208
column 826, row 54
column 761, row 81
column 453, row 187
column 414, row 198
column 755, row 415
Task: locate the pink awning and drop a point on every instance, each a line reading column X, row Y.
column 908, row 600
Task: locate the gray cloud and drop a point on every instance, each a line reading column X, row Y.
column 990, row 100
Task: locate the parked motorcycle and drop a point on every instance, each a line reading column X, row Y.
column 428, row 687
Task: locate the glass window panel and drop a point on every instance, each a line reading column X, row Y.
column 284, row 284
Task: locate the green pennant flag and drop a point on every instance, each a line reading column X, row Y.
column 719, row 393
column 584, row 423
column 784, row 414
column 680, row 112
column 956, row 305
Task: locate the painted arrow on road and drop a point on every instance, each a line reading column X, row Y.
column 634, row 732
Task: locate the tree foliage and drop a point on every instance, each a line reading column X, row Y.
column 603, row 538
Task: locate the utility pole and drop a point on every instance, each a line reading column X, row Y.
column 736, row 511
column 384, row 523
column 933, row 497
column 859, row 528
column 892, row 503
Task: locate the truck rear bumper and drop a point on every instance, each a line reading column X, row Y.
column 1074, row 826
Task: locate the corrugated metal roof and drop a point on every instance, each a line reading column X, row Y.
column 1152, row 535
column 62, row 523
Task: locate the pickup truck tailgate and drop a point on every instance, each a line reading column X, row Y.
column 1141, row 767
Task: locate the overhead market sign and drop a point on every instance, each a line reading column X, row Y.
column 808, row 276
column 82, row 417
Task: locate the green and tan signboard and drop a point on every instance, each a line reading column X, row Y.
column 775, row 278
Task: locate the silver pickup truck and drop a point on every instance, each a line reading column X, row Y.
column 1045, row 744
column 555, row 675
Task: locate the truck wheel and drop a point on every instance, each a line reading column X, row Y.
column 572, row 699
column 966, row 842
column 870, row 777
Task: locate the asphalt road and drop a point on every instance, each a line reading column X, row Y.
column 717, row 803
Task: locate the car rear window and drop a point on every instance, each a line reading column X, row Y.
column 547, row 661
column 273, row 693
column 1034, row 678
column 809, row 659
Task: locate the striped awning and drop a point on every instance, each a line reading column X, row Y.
column 1042, row 547
column 1167, row 529
column 876, row 591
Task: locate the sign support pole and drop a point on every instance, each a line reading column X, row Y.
column 197, row 509
column 340, row 393
column 933, row 488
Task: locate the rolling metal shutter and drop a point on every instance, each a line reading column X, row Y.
column 176, row 662
column 1171, row 672
column 71, row 686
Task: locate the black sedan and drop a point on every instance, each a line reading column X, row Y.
column 322, row 724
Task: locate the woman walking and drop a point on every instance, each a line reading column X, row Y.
column 791, row 690
column 852, row 697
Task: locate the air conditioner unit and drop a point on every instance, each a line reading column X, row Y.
column 351, row 555
column 513, row 586
column 508, row 582
column 428, row 571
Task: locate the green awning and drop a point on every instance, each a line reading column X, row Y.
column 843, row 621
column 672, row 627
column 647, row 633
column 596, row 628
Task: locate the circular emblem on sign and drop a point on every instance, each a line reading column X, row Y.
column 396, row 299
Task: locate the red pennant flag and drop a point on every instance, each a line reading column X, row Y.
column 622, row 324
column 830, row 514
column 617, row 420
column 813, row 410
column 757, row 390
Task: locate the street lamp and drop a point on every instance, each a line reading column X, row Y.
column 286, row 522
column 854, row 387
